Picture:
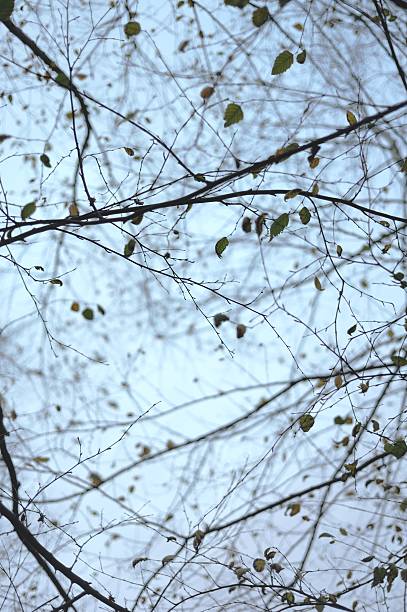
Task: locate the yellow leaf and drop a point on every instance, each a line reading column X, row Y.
column 73, row 210
column 317, row 284
column 259, row 565
column 41, row 459
column 338, row 381
column 351, row 118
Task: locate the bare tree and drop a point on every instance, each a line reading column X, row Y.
column 203, row 336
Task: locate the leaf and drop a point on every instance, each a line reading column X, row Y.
column 95, row 479
column 45, row 160
column 315, row 189
column 288, row 597
column 351, row 330
column 367, row 559
column 260, row 16
column 237, row 3
column 221, row 245
column 399, row 361
column 294, row 508
column 325, row 534
column 41, row 459
column 28, row 210
column 403, row 166
column 317, row 284
column 129, row 151
column 279, row 225
column 199, row 178
column 138, row 560
column 338, row 381
column 198, row 537
column 259, row 565
column 339, row 250
column 220, row 318
column 351, row 118
column 292, row 194
column 132, row 28
column 260, row 223
column 167, row 559
column 293, row 146
column 75, row 307
column 62, row 80
column 306, row 422
column 283, row 62
column 56, row 281
column 137, row 219
column 247, row 225
column 129, row 247
column 73, row 210
column 240, row 330
column 313, row 162
column 305, row 215
column 338, row 420
column 87, row 313
column 4, row 137
column 101, row 310
column 233, row 114
column 351, row 468
column 379, row 574
column 6, row 9
column 398, row 448
column 207, row 92
column 376, row 425
column 301, row 57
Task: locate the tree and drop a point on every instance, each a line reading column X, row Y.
column 203, row 242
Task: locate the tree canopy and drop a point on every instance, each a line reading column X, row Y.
column 203, row 332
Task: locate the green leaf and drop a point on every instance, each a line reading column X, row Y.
column 87, row 313
column 129, row 247
column 62, row 80
column 398, row 448
column 221, row 245
column 233, row 114
column 351, row 330
column 292, row 194
column 399, row 361
column 301, row 57
column 28, row 210
column 288, row 597
column 305, row 215
column 6, row 9
column 45, row 160
column 260, row 16
column 283, row 62
column 279, row 225
column 237, row 3
column 379, row 574
column 132, row 28
column 306, row 422
column 137, row 219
